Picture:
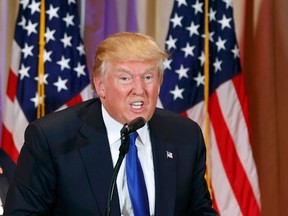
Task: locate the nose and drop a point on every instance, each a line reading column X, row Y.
column 138, row 87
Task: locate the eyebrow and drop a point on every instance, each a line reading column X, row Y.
column 122, row 69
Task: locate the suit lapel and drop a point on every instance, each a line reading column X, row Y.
column 97, row 158
column 164, row 170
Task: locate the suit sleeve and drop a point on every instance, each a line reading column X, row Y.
column 32, row 191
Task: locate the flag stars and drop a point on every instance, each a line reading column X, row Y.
column 236, row 52
column 202, row 58
column 228, row 3
column 64, row 63
column 188, row 50
column 212, row 15
column 61, row 84
column 80, row 70
column 199, row 79
column 193, row 29
column 171, row 42
column 22, row 22
column 24, row 71
column 225, row 22
column 181, row 2
column 176, row 20
column 31, row 28
column 167, row 63
column 220, row 44
column 66, row 40
column 177, row 93
column 210, row 36
column 42, row 78
column 27, row 50
column 49, row 35
column 217, row 65
column 52, row 12
column 63, row 54
column 182, row 72
column 81, row 50
column 197, row 7
column 71, row 1
column 68, row 20
column 34, row 7
column 46, row 56
column 24, row 3
column 37, row 100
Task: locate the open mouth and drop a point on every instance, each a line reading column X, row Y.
column 137, row 105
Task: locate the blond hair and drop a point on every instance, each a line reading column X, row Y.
column 128, row 46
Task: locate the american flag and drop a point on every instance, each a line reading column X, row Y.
column 231, row 167
column 65, row 78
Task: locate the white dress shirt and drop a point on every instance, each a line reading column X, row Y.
column 143, row 144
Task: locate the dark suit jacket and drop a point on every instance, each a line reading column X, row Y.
column 65, row 166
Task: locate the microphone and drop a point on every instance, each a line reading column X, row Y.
column 132, row 126
column 127, row 129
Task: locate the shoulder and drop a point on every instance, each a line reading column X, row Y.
column 68, row 120
column 167, row 117
column 70, row 114
column 170, row 124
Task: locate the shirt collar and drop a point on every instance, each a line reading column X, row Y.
column 114, row 128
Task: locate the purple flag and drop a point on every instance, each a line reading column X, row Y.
column 106, row 17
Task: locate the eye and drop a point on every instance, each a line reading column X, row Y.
column 148, row 78
column 125, row 78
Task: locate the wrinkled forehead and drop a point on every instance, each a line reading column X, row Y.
column 133, row 66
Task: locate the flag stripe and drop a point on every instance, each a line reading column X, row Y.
column 8, row 144
column 75, row 100
column 232, row 112
column 239, row 84
column 15, row 57
column 12, row 85
column 15, row 122
column 13, row 71
column 238, row 180
column 224, row 197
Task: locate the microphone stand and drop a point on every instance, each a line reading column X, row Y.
column 124, row 147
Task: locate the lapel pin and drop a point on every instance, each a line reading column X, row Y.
column 169, row 155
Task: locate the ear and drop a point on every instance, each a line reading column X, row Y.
column 99, row 86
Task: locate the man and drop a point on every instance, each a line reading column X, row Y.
column 66, row 164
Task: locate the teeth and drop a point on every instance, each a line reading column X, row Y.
column 137, row 104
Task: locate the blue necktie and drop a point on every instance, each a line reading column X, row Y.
column 135, row 180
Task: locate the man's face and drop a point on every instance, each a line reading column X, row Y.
column 129, row 89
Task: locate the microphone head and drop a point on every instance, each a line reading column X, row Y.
column 133, row 125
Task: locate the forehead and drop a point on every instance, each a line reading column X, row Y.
column 130, row 66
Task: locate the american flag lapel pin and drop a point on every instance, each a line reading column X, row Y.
column 169, row 155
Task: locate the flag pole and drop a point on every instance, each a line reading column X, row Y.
column 41, row 90
column 206, row 94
